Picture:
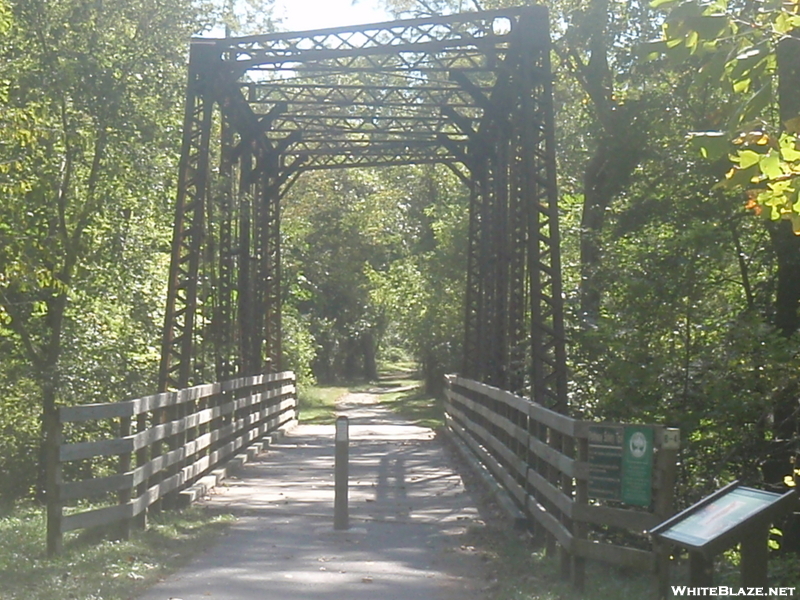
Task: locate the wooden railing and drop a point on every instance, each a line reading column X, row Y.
column 157, row 446
column 541, row 459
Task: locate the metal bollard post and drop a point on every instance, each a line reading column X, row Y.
column 340, row 512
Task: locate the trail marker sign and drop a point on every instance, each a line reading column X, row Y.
column 621, row 463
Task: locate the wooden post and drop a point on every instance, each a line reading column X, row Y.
column 567, row 449
column 755, row 556
column 140, row 520
column 550, row 472
column 53, row 470
column 579, row 527
column 701, row 570
column 665, row 477
column 124, row 496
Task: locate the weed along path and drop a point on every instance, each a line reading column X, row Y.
column 407, row 511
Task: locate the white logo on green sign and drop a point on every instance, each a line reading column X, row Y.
column 638, row 445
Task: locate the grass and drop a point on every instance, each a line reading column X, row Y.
column 517, row 571
column 317, row 405
column 89, row 569
column 414, row 404
column 398, row 368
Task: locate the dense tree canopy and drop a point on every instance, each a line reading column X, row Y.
column 680, row 306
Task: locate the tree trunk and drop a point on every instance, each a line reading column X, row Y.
column 607, row 173
column 787, row 245
column 370, row 363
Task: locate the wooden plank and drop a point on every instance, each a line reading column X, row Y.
column 491, row 441
column 551, row 455
column 554, row 458
column 90, row 412
column 632, row 520
column 517, row 402
column 497, row 470
column 94, row 518
column 579, row 529
column 502, row 422
column 91, row 488
column 552, row 419
column 557, row 421
column 641, row 560
column 156, row 402
column 457, row 436
column 131, row 408
column 550, row 523
column 81, row 450
column 551, row 492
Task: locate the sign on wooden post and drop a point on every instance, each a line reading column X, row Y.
column 637, row 465
column 727, row 517
column 621, row 463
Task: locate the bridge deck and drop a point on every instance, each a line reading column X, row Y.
column 407, row 509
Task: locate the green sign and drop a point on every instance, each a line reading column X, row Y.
column 605, row 462
column 637, row 465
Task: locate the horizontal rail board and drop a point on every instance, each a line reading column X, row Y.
column 223, row 418
column 82, row 450
column 496, row 469
column 91, row 488
column 550, row 522
column 492, row 442
column 632, row 520
column 537, row 412
column 568, row 466
column 643, row 560
column 564, row 503
column 131, row 408
column 96, row 517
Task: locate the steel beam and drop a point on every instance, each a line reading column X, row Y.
column 471, row 91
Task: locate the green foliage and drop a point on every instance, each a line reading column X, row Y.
column 735, row 49
column 374, row 261
column 90, row 97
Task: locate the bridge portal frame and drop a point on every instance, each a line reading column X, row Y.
column 472, row 91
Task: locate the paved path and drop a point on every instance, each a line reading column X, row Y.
column 407, row 511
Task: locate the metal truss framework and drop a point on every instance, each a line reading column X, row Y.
column 471, row 91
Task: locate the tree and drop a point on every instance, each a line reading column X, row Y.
column 104, row 81
column 743, row 49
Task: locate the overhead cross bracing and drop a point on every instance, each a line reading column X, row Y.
column 471, row 91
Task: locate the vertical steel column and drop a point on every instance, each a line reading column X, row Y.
column 224, row 326
column 487, row 274
column 501, row 251
column 473, row 302
column 257, row 284
column 518, row 221
column 266, row 307
column 244, row 283
column 548, row 367
column 175, row 370
column 272, row 269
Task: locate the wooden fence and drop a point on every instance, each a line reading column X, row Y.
column 160, row 445
column 541, row 458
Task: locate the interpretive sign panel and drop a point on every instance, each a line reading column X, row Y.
column 637, row 465
column 605, row 462
column 714, row 521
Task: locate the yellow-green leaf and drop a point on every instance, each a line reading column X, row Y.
column 770, row 165
column 748, row 158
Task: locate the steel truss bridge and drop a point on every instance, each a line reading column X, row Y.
column 470, row 91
